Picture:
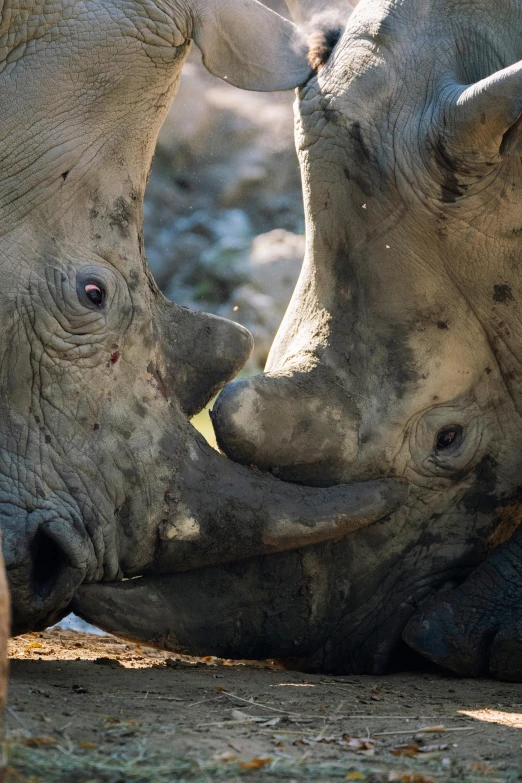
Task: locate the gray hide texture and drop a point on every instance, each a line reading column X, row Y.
column 400, row 355
column 101, row 475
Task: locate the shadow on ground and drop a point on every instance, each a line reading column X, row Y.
column 89, row 709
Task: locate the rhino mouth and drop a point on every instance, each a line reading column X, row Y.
column 238, row 596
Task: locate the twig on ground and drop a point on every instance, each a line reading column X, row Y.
column 259, row 704
column 431, row 730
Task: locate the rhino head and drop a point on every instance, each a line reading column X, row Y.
column 400, row 354
column 101, row 474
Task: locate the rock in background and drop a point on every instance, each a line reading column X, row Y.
column 223, row 210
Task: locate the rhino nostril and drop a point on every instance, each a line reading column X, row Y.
column 49, row 561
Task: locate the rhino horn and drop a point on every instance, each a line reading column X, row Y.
column 245, row 43
column 481, row 121
column 219, row 511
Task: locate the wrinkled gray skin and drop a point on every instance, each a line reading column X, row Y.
column 400, row 354
column 101, row 475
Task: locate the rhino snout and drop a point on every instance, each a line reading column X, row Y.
column 44, row 568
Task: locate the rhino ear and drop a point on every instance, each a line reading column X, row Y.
column 484, row 120
column 245, row 43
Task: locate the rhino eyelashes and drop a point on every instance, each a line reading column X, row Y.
column 448, row 437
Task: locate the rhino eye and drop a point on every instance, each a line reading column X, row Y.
column 94, row 293
column 449, row 436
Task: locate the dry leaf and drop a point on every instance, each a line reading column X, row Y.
column 355, row 776
column 400, row 777
column 87, row 745
column 432, row 748
column 219, row 689
column 272, row 722
column 225, row 756
column 35, row 742
column 357, row 743
column 33, row 646
column 480, row 767
column 431, row 730
column 406, row 750
column 243, row 716
column 256, row 763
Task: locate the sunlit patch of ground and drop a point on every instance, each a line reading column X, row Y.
column 97, row 709
column 511, row 719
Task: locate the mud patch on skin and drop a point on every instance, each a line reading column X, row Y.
column 506, row 510
column 121, row 216
column 160, row 384
column 404, row 374
column 451, row 188
column 481, row 497
column 502, row 293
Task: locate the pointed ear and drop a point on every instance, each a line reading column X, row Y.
column 484, row 120
column 245, row 43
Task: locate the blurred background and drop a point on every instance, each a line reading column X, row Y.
column 223, row 210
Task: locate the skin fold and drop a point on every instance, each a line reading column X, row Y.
column 400, row 355
column 101, row 475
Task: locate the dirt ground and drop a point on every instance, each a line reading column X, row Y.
column 86, row 709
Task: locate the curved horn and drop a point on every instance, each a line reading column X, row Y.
column 219, row 511
column 481, row 120
column 245, row 43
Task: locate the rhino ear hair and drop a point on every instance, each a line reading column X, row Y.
column 484, row 120
column 323, row 23
column 305, row 12
column 245, row 43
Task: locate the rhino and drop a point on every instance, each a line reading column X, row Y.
column 400, row 356
column 102, row 477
